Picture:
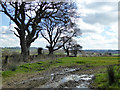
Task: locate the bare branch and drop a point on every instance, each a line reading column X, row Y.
column 45, row 37
column 5, row 11
column 2, row 11
column 15, row 33
column 37, row 34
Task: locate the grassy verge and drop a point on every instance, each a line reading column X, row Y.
column 66, row 61
column 116, row 54
column 108, row 79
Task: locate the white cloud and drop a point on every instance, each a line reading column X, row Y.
column 99, row 12
column 96, row 41
column 7, row 38
column 114, row 27
column 90, row 28
column 40, row 42
column 107, row 8
column 95, row 16
column 9, row 41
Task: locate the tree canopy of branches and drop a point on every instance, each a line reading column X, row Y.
column 70, row 46
column 75, row 48
column 28, row 16
column 63, row 26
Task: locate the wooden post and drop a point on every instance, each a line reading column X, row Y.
column 40, row 51
column 6, row 60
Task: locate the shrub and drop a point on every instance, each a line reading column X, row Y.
column 111, row 76
column 12, row 67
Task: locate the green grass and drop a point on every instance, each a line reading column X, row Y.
column 66, row 61
column 116, row 54
column 95, row 61
column 102, row 80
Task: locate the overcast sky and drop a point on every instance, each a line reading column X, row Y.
column 98, row 24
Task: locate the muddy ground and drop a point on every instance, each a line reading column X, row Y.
column 60, row 77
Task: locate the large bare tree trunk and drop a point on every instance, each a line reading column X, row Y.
column 24, row 48
column 67, row 51
column 50, row 50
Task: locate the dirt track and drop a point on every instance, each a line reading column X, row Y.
column 55, row 78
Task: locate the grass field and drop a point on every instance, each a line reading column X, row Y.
column 101, row 78
column 116, row 54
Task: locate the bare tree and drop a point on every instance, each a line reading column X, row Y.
column 75, row 48
column 28, row 16
column 68, row 45
column 63, row 26
column 54, row 32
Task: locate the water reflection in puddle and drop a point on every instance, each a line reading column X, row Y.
column 83, row 78
column 77, row 78
column 66, row 70
column 83, row 85
column 63, row 79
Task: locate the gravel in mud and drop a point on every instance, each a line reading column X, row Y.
column 75, row 76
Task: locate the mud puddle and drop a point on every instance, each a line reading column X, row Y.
column 62, row 77
column 65, row 79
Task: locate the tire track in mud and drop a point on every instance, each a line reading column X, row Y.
column 74, row 76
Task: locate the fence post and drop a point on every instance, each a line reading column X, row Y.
column 40, row 51
column 6, row 60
